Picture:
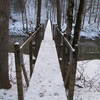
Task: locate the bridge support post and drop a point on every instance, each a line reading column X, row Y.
column 62, row 56
column 42, row 32
column 34, row 52
column 31, row 60
column 18, row 72
column 55, row 33
column 24, row 70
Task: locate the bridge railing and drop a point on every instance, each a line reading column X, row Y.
column 33, row 44
column 64, row 49
column 67, row 43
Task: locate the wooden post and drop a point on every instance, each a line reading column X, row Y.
column 72, row 70
column 34, row 52
column 42, row 32
column 18, row 72
column 60, row 50
column 38, row 13
column 63, row 47
column 24, row 70
column 54, row 31
column 56, row 35
column 68, row 71
column 39, row 38
column 58, row 13
column 30, row 56
column 75, row 46
column 35, row 46
column 58, row 41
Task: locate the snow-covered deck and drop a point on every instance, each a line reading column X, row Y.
column 46, row 82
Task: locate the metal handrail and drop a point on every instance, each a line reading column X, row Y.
column 29, row 39
column 66, row 40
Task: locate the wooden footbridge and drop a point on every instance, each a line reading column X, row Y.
column 47, row 54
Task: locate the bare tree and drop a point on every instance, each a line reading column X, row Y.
column 4, row 22
column 68, row 35
column 77, row 30
column 90, row 15
column 84, row 15
column 58, row 6
column 38, row 13
column 97, row 11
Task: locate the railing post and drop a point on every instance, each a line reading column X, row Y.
column 73, row 68
column 34, row 52
column 54, row 31
column 18, row 72
column 62, row 57
column 39, row 38
column 24, row 70
column 42, row 32
column 36, row 44
column 58, row 40
column 31, row 61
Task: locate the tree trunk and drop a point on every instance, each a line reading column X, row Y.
column 75, row 53
column 38, row 13
column 90, row 15
column 97, row 11
column 4, row 22
column 84, row 15
column 58, row 13
column 68, row 35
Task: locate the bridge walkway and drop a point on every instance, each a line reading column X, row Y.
column 46, row 82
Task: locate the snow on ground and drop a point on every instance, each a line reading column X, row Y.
column 90, row 68
column 16, row 24
column 89, row 82
column 16, row 28
column 11, row 94
column 89, row 72
column 86, row 94
column 90, row 31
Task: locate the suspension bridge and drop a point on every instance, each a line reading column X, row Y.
column 46, row 82
column 46, row 71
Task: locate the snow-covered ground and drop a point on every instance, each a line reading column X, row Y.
column 16, row 24
column 88, row 73
column 90, row 30
column 87, row 86
column 11, row 94
column 88, row 80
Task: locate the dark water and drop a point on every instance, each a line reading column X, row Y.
column 89, row 49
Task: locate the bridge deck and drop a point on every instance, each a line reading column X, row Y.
column 46, row 82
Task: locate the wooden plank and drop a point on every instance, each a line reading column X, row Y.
column 18, row 72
